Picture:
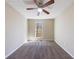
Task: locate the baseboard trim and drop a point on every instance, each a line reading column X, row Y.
column 14, row 50
column 64, row 49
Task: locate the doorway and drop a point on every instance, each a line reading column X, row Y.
column 40, row 29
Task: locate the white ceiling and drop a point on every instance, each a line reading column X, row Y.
column 54, row 9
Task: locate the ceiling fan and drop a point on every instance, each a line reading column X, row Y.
column 41, row 5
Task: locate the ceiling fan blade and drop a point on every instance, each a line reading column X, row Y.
column 30, row 8
column 46, row 11
column 39, row 3
column 48, row 3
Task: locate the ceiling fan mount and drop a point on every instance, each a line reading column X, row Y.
column 40, row 6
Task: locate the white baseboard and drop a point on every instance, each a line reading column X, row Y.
column 14, row 50
column 65, row 49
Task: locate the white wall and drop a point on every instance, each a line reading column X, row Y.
column 15, row 30
column 64, row 30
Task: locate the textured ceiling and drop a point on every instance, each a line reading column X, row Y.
column 54, row 9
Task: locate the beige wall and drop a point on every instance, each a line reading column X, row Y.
column 48, row 29
column 14, row 30
column 31, row 28
column 64, row 30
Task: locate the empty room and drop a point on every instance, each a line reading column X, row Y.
column 39, row 29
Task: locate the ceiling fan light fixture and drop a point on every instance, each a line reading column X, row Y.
column 40, row 10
